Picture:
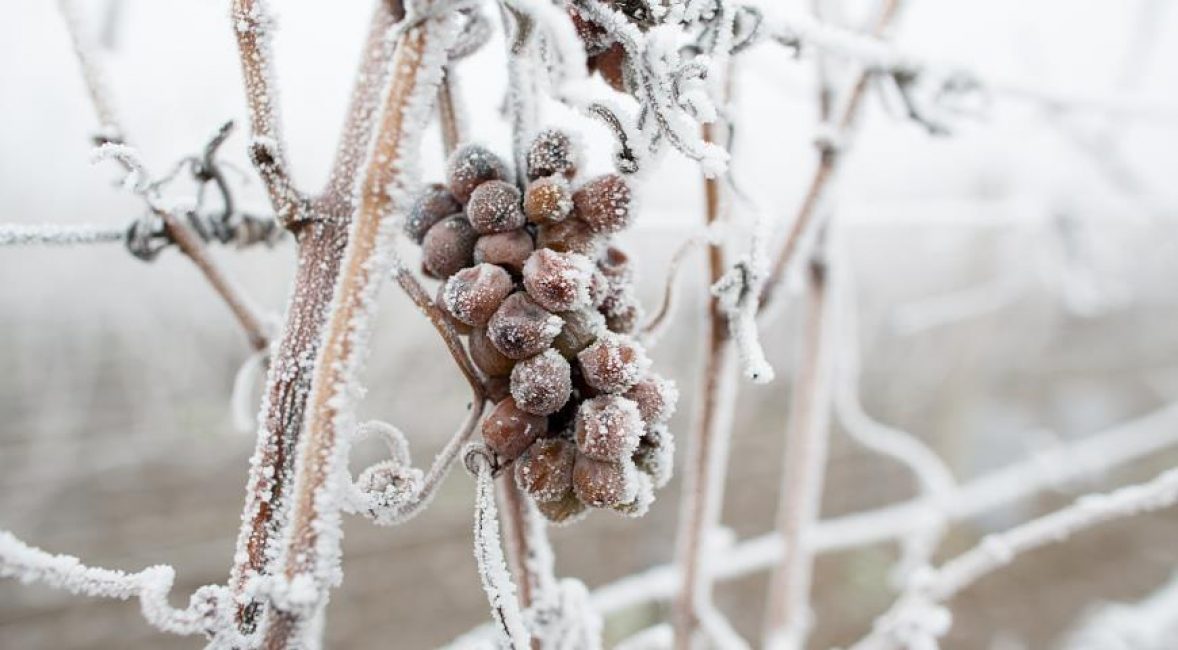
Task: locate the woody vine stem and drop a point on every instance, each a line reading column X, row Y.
column 669, row 71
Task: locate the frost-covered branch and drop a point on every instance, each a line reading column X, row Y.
column 311, row 554
column 707, row 455
column 919, row 618
column 87, row 50
column 787, row 611
column 1052, row 469
column 830, row 147
column 253, row 27
column 208, row 609
column 365, row 103
column 931, row 473
column 488, row 551
column 20, row 234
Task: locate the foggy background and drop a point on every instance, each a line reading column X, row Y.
column 116, row 438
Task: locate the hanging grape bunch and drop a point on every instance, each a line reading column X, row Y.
column 548, row 308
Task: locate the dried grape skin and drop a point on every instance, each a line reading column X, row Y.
column 486, row 356
column 558, row 281
column 494, row 207
column 564, row 511
column 552, row 153
column 655, row 397
column 431, row 205
column 569, row 236
column 545, row 470
column 473, row 294
column 613, row 363
column 507, row 249
column 581, row 329
column 448, row 247
column 608, row 427
column 522, row 328
column 548, row 200
column 509, row 430
column 600, row 484
column 472, row 165
column 542, row 384
column 604, row 203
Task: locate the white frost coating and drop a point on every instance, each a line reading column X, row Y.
column 488, row 550
column 1149, row 624
column 314, row 532
column 208, row 609
column 88, row 52
column 914, row 616
column 934, row 478
column 19, row 234
column 137, row 180
column 1094, row 455
column 739, row 293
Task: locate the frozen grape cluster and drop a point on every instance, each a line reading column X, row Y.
column 530, row 276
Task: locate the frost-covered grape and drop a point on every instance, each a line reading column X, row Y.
column 507, row 249
column 552, row 153
column 522, row 328
column 581, row 328
column 494, row 207
column 486, row 356
column 613, row 363
column 643, row 497
column 548, row 200
column 433, row 204
column 592, row 35
column 508, row 430
column 472, row 165
column 440, row 301
column 603, row 484
column 655, row 455
column 448, row 246
column 542, row 384
column 567, row 510
column 604, row 203
column 611, row 65
column 623, row 317
column 614, row 263
column 599, row 288
column 545, row 470
column 608, row 427
column 558, row 281
column 473, row 294
column 569, row 236
column 655, row 397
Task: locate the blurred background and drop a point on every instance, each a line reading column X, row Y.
column 1015, row 288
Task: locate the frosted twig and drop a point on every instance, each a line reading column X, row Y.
column 496, row 579
column 253, row 25
column 918, row 617
column 89, row 57
column 828, row 162
column 787, row 610
column 311, row 556
column 933, row 476
column 719, row 630
column 208, row 609
column 653, row 330
column 365, row 103
column 19, row 234
column 707, row 457
column 1103, row 451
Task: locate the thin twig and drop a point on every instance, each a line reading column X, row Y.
column 707, row 456
column 658, row 323
column 830, row 154
column 86, row 48
column 449, row 111
column 20, row 234
column 1101, row 452
column 919, row 618
column 252, row 25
